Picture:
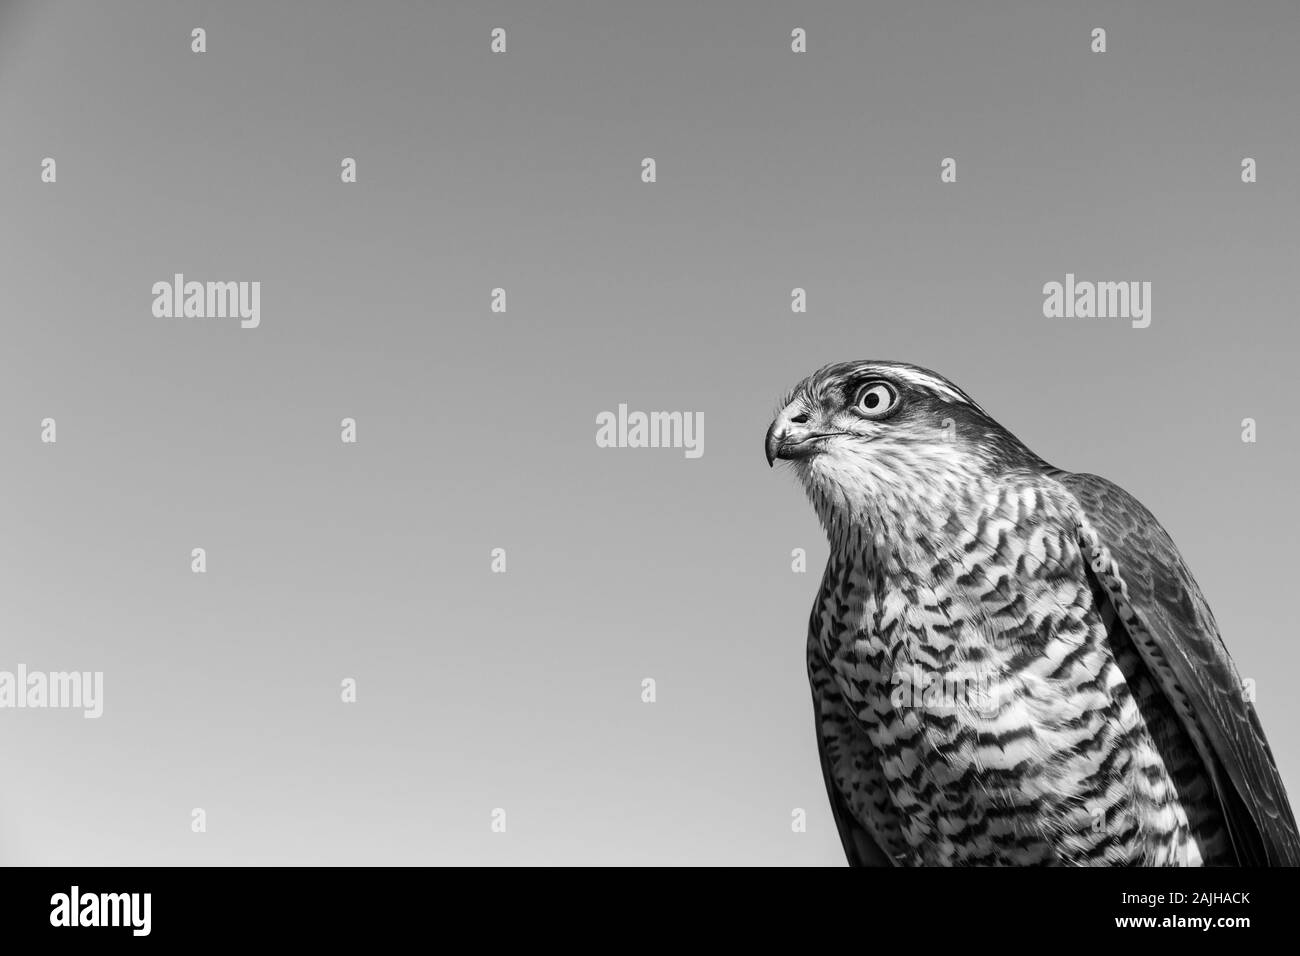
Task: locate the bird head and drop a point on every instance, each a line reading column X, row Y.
column 882, row 441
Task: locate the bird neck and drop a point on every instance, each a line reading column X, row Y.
column 901, row 528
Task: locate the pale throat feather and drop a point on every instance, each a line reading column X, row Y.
column 881, row 501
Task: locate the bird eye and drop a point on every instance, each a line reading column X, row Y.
column 875, row 400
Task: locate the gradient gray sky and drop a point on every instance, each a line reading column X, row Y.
column 371, row 561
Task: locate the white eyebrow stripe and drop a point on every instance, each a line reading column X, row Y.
column 929, row 381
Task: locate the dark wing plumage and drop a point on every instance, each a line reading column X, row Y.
column 859, row 848
column 844, row 756
column 1136, row 562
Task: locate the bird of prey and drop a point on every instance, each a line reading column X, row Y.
column 1010, row 664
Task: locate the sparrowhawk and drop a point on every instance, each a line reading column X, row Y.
column 1010, row 664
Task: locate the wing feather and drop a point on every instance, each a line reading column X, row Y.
column 845, row 757
column 1154, row 593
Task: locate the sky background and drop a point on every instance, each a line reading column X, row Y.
column 476, row 430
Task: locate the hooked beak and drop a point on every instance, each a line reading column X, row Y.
column 790, row 437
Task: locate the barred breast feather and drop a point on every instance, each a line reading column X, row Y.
column 978, row 705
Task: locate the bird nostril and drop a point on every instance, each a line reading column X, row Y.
column 800, row 419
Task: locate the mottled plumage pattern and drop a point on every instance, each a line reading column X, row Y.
column 1161, row 605
column 1010, row 664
